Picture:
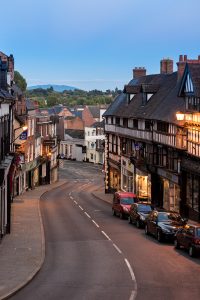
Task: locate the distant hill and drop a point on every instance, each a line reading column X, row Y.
column 57, row 88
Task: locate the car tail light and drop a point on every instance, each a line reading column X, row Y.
column 197, row 241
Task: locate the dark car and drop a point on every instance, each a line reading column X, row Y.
column 189, row 238
column 139, row 212
column 164, row 224
column 122, row 202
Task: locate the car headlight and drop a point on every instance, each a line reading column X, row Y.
column 125, row 209
column 142, row 218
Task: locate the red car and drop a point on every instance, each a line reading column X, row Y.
column 122, row 202
column 189, row 238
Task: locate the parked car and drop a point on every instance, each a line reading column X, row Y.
column 139, row 212
column 122, row 202
column 163, row 224
column 189, row 238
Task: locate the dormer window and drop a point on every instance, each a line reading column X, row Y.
column 130, row 97
column 149, row 96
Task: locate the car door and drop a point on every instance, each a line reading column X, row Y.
column 189, row 233
column 132, row 212
column 154, row 223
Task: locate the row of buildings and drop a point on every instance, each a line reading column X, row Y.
column 152, row 144
column 32, row 140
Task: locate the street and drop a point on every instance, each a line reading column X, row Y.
column 92, row 255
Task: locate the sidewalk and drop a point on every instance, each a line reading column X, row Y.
column 22, row 251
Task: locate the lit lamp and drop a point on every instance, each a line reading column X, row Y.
column 180, row 116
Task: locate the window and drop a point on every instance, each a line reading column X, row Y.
column 149, row 96
column 91, row 156
column 162, row 127
column 147, row 125
column 135, row 123
column 125, row 122
column 117, row 121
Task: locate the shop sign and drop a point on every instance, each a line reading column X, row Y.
column 168, row 175
column 23, row 135
column 31, row 165
column 49, row 142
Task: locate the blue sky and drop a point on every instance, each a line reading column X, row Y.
column 95, row 44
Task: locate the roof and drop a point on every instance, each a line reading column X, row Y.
column 5, row 95
column 29, row 104
column 74, row 133
column 98, row 124
column 161, row 106
column 95, row 111
column 194, row 72
column 16, row 90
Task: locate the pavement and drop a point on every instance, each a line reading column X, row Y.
column 22, row 252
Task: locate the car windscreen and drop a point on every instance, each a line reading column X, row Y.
column 127, row 200
column 144, row 208
column 169, row 217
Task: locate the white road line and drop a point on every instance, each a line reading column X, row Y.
column 70, row 193
column 81, row 207
column 117, row 248
column 95, row 223
column 106, row 235
column 71, row 197
column 87, row 215
column 133, row 295
column 75, row 202
column 130, row 270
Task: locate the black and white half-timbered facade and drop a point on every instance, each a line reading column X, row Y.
column 147, row 148
column 6, row 121
column 190, row 121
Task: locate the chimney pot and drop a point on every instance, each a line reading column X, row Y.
column 139, row 72
column 180, row 57
column 185, row 57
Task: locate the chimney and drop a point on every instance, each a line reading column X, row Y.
column 181, row 65
column 139, row 72
column 166, row 66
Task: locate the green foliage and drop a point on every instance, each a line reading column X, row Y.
column 72, row 98
column 20, row 81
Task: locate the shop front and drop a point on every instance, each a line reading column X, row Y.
column 143, row 184
column 127, row 175
column 171, row 190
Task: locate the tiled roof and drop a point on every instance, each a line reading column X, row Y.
column 74, row 133
column 95, row 111
column 29, row 104
column 161, row 106
column 6, row 95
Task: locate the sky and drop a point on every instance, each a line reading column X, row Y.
column 95, row 44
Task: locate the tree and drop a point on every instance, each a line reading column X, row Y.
column 20, row 81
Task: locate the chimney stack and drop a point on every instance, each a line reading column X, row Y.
column 166, row 66
column 139, row 72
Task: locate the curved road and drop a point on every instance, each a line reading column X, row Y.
column 92, row 255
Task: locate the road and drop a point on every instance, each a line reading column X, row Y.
column 92, row 255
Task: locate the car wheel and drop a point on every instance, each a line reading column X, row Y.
column 146, row 230
column 129, row 220
column 121, row 215
column 176, row 244
column 113, row 212
column 159, row 236
column 138, row 224
column 191, row 251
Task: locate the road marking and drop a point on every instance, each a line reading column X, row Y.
column 106, row 235
column 70, row 193
column 95, row 223
column 130, row 269
column 71, row 197
column 87, row 215
column 81, row 207
column 117, row 248
column 75, row 202
column 133, row 295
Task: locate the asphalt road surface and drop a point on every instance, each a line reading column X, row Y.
column 92, row 255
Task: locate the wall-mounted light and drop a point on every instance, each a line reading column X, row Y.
column 180, row 116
